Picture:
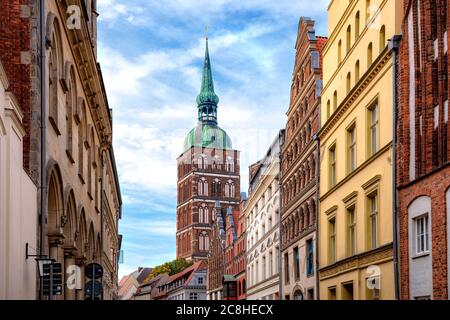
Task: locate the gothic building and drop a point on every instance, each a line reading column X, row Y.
column 299, row 168
column 423, row 151
column 216, row 257
column 208, row 172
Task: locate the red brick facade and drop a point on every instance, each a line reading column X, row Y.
column 300, row 153
column 15, row 54
column 196, row 208
column 423, row 148
column 235, row 257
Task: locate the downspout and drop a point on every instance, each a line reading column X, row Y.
column 102, row 166
column 317, row 139
column 43, row 173
column 280, row 260
column 394, row 47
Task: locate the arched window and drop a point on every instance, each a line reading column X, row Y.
column 349, row 39
column 230, row 164
column 200, row 215
column 382, row 38
column 298, row 295
column 335, row 103
column 202, row 162
column 328, row 109
column 71, row 104
column 339, row 52
column 367, row 11
column 55, row 69
column 357, row 25
column 357, row 71
column 369, row 55
column 81, row 140
column 348, row 83
column 206, row 215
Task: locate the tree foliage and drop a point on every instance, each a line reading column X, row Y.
column 172, row 267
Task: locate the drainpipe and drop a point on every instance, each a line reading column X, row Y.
column 394, row 47
column 280, row 240
column 102, row 166
column 43, row 173
column 317, row 139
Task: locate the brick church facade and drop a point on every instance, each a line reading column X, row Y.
column 423, row 151
column 208, row 174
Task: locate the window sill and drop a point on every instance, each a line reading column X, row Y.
column 421, row 255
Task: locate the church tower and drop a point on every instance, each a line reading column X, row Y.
column 208, row 173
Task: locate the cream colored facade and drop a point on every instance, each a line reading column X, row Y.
column 18, row 197
column 355, row 215
column 82, row 180
column 262, row 214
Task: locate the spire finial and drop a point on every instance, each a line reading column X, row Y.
column 206, row 32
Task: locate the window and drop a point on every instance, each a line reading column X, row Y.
column 347, row 291
column 349, row 38
column 193, row 296
column 373, row 129
column 351, row 141
column 367, row 11
column 351, row 231
column 421, row 232
column 298, row 295
column 270, row 263
column 335, row 101
column 332, row 293
column 357, row 23
column 264, row 274
column 310, row 294
column 382, row 38
column 309, row 257
column 348, row 83
column 369, row 55
column 296, row 263
column 339, row 54
column 332, row 240
column 286, row 268
column 332, row 165
column 257, row 272
column 357, row 71
column 200, row 280
column 200, row 215
column 328, row 109
column 373, row 221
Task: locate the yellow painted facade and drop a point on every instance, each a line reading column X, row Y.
column 355, row 214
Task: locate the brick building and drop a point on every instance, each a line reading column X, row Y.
column 234, row 277
column 216, row 257
column 423, row 151
column 299, row 168
column 81, row 203
column 208, row 171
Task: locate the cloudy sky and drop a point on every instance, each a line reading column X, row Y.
column 151, row 52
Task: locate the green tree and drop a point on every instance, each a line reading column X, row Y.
column 172, row 267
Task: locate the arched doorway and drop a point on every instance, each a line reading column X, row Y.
column 298, row 295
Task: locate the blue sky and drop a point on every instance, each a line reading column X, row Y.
column 151, row 52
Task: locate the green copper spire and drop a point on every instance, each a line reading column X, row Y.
column 207, row 134
column 207, row 100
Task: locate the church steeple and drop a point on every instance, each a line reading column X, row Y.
column 207, row 100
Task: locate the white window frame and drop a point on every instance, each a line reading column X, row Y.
column 422, row 235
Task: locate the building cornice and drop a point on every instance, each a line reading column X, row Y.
column 381, row 254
